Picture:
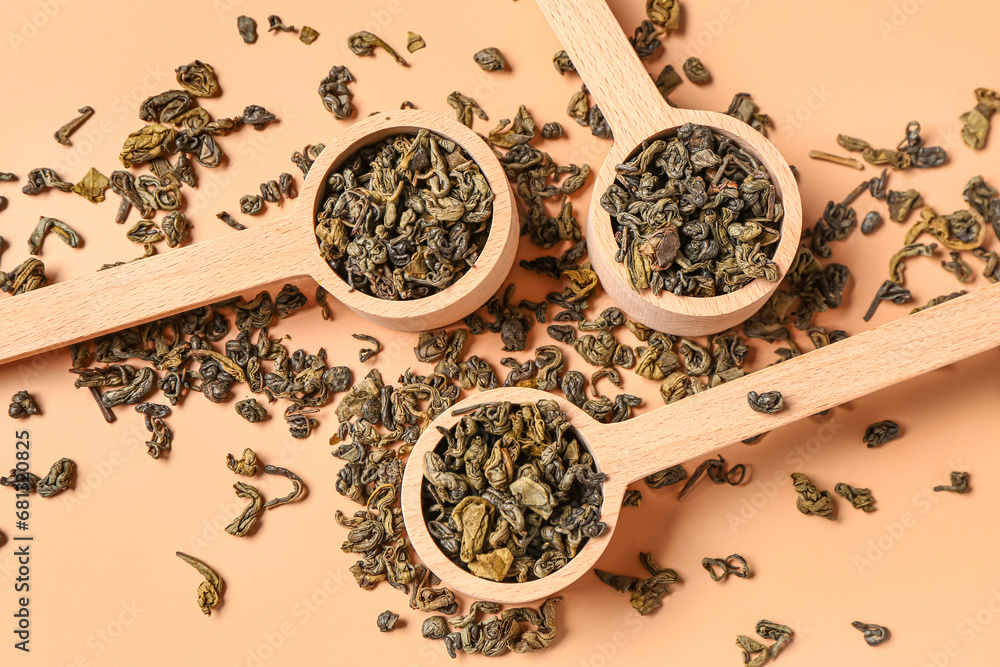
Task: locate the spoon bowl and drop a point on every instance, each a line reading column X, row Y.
column 637, row 112
column 284, row 249
column 698, row 425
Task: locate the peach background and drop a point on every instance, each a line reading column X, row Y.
column 107, row 588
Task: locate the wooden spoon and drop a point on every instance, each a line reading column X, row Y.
column 697, row 425
column 158, row 286
column 636, row 111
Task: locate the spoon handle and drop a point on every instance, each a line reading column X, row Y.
column 811, row 383
column 82, row 308
column 608, row 64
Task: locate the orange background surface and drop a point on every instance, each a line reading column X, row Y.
column 106, row 586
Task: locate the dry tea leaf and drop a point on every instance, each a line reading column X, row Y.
column 976, row 123
column 308, row 35
column 92, row 186
column 860, row 499
column 63, row 133
column 726, row 567
column 57, row 227
column 902, row 202
column 666, row 14
column 335, row 94
column 888, row 291
column 563, row 63
column 464, row 107
column 210, row 590
column 671, row 475
column 143, row 145
column 836, row 159
column 644, row 41
column 248, row 29
column 668, row 80
column 198, row 78
column 251, row 204
column 579, row 108
column 176, row 228
column 896, row 265
column 59, row 479
column 27, row 276
column 959, row 483
column 22, row 404
column 745, row 109
column 646, row 594
column 245, row 522
column 811, row 500
column 162, row 435
column 274, row 23
column 490, row 59
column 552, row 130
column 768, row 403
column 958, row 266
column 414, row 42
column 939, row 300
column 251, row 410
column 874, row 634
column 364, row 43
column 43, row 178
column 387, row 621
column 246, row 465
column 872, row 221
column 229, row 220
column 695, row 71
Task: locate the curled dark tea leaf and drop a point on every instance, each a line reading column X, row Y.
column 959, row 483
column 881, row 432
column 811, row 500
column 57, row 227
column 860, row 499
column 210, row 590
column 162, row 435
column 735, row 565
column 768, row 403
column 465, row 107
column 198, row 78
column 888, row 291
column 335, row 94
column 367, row 353
column 274, row 23
column 247, row 28
column 229, row 220
column 387, row 621
column 695, row 71
column 671, row 475
column 27, row 276
column 364, row 43
column 872, row 221
column 490, row 59
column 874, row 634
column 251, row 410
column 63, row 133
column 60, row 478
column 246, row 465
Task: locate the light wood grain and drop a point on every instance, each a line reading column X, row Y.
column 636, row 112
column 700, row 424
column 158, row 286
